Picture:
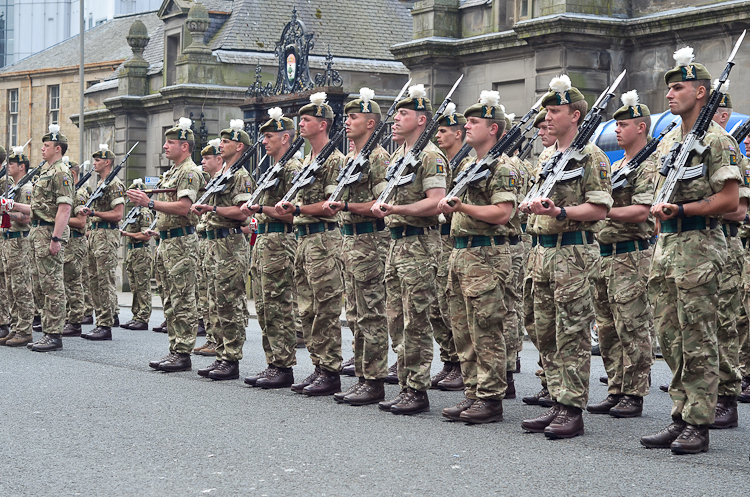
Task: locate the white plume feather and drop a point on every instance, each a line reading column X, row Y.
column 560, row 84
column 17, row 151
column 724, row 87
column 366, row 94
column 510, row 116
column 318, row 98
column 417, row 91
column 275, row 113
column 66, row 159
column 138, row 181
column 450, row 109
column 236, row 124
column 684, row 56
column 185, row 123
column 442, row 219
column 103, row 147
column 298, row 155
column 489, row 98
column 630, row 98
column 85, row 164
column 215, row 142
column 54, row 128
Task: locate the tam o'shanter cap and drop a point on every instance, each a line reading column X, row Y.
column 137, row 184
column 236, row 133
column 277, row 122
column 17, row 155
column 488, row 106
column 509, row 120
column 182, row 131
column 318, row 107
column 631, row 108
column 540, row 117
column 68, row 162
column 364, row 104
column 212, row 148
column 104, row 152
column 417, row 99
column 450, row 117
column 726, row 100
column 54, row 135
column 686, row 69
column 561, row 92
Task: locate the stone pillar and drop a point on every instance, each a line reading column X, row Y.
column 196, row 64
column 436, row 18
column 132, row 79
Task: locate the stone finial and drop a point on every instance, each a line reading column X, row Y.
column 197, row 23
column 138, row 40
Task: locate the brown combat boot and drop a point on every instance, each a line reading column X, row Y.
column 176, row 362
column 412, row 402
column 664, row 438
column 298, row 387
column 745, row 395
column 537, row 425
column 454, row 381
column 348, row 368
column 339, row 397
column 604, row 406
column 510, row 391
column 533, row 400
column 252, row 380
column 155, row 364
column 18, row 340
column 454, row 413
column 277, row 378
column 48, row 343
column 447, row 368
column 387, row 404
column 567, row 424
column 392, row 377
column 483, row 411
column 209, row 349
column 327, row 383
column 226, row 370
column 7, row 337
column 630, row 406
column 692, row 440
column 71, row 330
column 204, row 371
column 726, row 413
column 372, row 392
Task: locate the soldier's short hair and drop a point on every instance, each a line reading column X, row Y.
column 581, row 106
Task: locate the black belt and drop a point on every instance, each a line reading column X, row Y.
column 136, row 245
column 176, row 232
column 445, row 229
column 568, row 238
column 9, row 235
column 104, row 226
column 220, row 233
column 607, row 249
column 312, row 228
column 691, row 223
column 360, row 228
column 733, row 229
column 274, row 228
column 462, row 242
column 39, row 222
column 402, row 231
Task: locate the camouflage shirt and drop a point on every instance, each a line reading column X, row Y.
column 450, row 177
column 638, row 191
column 499, row 187
column 745, row 192
column 431, row 173
column 370, row 185
column 53, row 187
column 594, row 187
column 187, row 178
column 324, row 184
column 82, row 196
column 525, row 172
column 113, row 196
column 270, row 197
column 23, row 196
column 237, row 192
column 142, row 221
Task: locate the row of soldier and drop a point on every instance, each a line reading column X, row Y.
column 471, row 270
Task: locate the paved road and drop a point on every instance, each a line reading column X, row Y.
column 93, row 419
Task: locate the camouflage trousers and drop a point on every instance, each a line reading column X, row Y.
column 76, row 257
column 480, row 309
column 320, row 287
column 177, row 272
column 440, row 311
column 4, row 299
column 229, row 256
column 103, row 245
column 563, row 311
column 36, row 288
column 201, row 286
column 16, row 254
column 683, row 288
column 363, row 257
column 728, row 313
column 513, row 329
column 410, row 271
column 138, row 265
column 528, row 303
column 625, row 321
column 50, row 273
column 742, row 320
column 88, row 303
column 272, row 269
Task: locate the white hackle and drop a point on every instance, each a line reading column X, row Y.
column 724, row 87
column 215, row 142
column 630, row 98
column 298, row 155
column 489, row 98
column 54, row 128
column 66, row 159
column 184, row 123
column 684, row 56
column 17, row 151
column 417, row 91
column 318, row 98
column 137, row 182
column 560, row 84
column 450, row 109
column 103, row 147
column 366, row 94
column 236, row 124
column 275, row 113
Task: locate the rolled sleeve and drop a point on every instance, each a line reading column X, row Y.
column 116, row 202
column 189, row 193
column 722, row 175
column 501, row 197
column 599, row 198
column 431, row 182
column 65, row 200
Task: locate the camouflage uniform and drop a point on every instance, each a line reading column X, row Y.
column 561, row 267
column 138, row 264
column 623, row 313
column 479, row 282
column 177, row 252
column 519, row 254
column 16, row 254
column 54, row 187
column 227, row 250
column 317, row 270
column 684, row 283
column 272, row 270
column 411, row 269
column 742, row 318
column 364, row 249
column 104, row 240
column 76, row 257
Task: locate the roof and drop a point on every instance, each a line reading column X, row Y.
column 98, row 46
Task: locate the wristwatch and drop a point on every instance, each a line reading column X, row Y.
column 151, row 204
column 56, row 239
column 563, row 215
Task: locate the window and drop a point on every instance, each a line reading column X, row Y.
column 54, row 104
column 13, row 118
column 523, row 9
column 173, row 51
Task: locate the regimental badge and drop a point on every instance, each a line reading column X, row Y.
column 512, row 179
column 28, row 197
column 248, row 187
column 452, row 120
column 562, row 98
column 489, row 112
column 747, row 178
column 733, row 159
column 723, row 102
column 190, row 178
column 183, row 134
column 279, row 126
column 365, row 107
column 603, row 170
column 319, row 112
column 688, row 72
column 66, row 181
column 440, row 169
column 420, row 104
column 235, row 136
column 387, row 162
column 635, row 111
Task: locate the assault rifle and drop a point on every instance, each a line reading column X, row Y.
column 620, row 177
column 352, row 171
column 526, row 150
column 554, row 170
column 99, row 192
column 480, row 169
column 307, row 175
column 739, row 132
column 675, row 164
column 396, row 174
column 26, row 178
column 83, row 179
column 220, row 182
column 460, row 156
column 270, row 178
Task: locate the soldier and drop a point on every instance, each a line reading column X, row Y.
column 49, row 210
column 227, row 252
column 744, row 333
column 76, row 257
column 562, row 263
column 481, row 269
column 623, row 313
column 138, row 264
column 450, row 138
column 364, row 248
column 104, row 239
column 317, row 266
column 16, row 250
column 5, row 304
column 684, row 277
column 272, row 265
column 176, row 225
column 411, row 266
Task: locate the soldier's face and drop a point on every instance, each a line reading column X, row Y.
column 356, row 125
column 397, row 139
column 405, row 122
column 14, row 168
column 173, row 149
column 310, row 126
column 683, row 97
column 627, row 132
column 211, row 163
column 101, row 164
column 544, row 136
column 50, row 150
column 447, row 138
column 560, row 120
column 479, row 131
column 747, row 145
column 228, row 148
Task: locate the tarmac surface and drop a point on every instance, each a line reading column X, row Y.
column 94, row 419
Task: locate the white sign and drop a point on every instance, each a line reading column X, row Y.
column 151, row 181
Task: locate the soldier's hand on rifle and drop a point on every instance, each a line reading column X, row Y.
column 283, row 207
column 201, row 208
column 525, row 207
column 151, row 233
column 447, row 208
column 138, row 197
column 381, row 210
column 538, row 207
column 331, row 208
column 658, row 211
column 86, row 211
column 249, row 210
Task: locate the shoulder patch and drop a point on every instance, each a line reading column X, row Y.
column 440, row 167
column 248, row 187
column 732, row 157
